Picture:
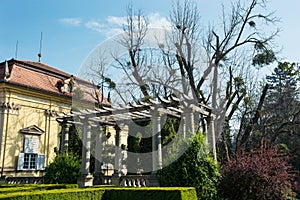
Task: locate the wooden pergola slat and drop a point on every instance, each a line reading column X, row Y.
column 140, row 110
column 136, row 111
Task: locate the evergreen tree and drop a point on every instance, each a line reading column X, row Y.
column 195, row 168
column 75, row 142
column 64, row 169
column 280, row 117
column 282, row 108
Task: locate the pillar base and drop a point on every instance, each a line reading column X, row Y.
column 98, row 179
column 115, row 179
column 85, row 180
column 153, row 181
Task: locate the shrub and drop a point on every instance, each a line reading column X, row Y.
column 195, row 168
column 262, row 174
column 15, row 188
column 64, row 169
column 107, row 193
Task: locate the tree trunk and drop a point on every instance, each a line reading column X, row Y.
column 254, row 120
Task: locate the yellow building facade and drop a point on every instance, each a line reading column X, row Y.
column 32, row 96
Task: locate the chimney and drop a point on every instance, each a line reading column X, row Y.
column 6, row 71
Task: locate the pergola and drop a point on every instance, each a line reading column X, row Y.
column 187, row 110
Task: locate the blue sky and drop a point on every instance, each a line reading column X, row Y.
column 72, row 29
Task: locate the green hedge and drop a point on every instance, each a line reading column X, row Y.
column 150, row 193
column 104, row 193
column 12, row 188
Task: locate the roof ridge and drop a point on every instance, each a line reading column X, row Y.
column 36, row 78
column 42, row 66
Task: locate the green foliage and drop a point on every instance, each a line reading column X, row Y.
column 75, row 142
column 108, row 193
column 64, row 169
column 252, row 23
column 225, row 146
column 195, row 168
column 12, row 188
column 264, row 57
column 139, row 140
column 111, row 84
column 151, row 193
column 284, row 75
column 169, row 130
column 60, row 194
column 138, row 144
column 290, row 69
column 280, row 124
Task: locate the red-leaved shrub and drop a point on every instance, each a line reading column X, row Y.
column 262, row 174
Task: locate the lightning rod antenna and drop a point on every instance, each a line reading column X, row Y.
column 40, row 52
column 17, row 46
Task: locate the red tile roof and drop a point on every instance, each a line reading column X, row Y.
column 43, row 77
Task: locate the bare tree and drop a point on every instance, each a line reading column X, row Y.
column 135, row 31
column 152, row 70
column 212, row 66
column 241, row 36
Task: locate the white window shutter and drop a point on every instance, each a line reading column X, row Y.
column 20, row 161
column 41, row 162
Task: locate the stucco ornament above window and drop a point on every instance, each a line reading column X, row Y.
column 9, row 107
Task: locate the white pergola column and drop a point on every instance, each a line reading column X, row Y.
column 66, row 138
column 98, row 151
column 156, row 141
column 182, row 127
column 116, row 175
column 189, row 120
column 86, row 179
column 211, row 138
column 117, row 166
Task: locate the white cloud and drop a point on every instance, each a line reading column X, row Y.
column 71, row 21
column 119, row 21
column 112, row 32
column 158, row 21
column 94, row 25
column 155, row 20
column 114, row 25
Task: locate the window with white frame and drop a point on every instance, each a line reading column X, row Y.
column 30, row 159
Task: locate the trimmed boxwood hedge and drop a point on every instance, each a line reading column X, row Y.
column 150, row 193
column 12, row 188
column 52, row 192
